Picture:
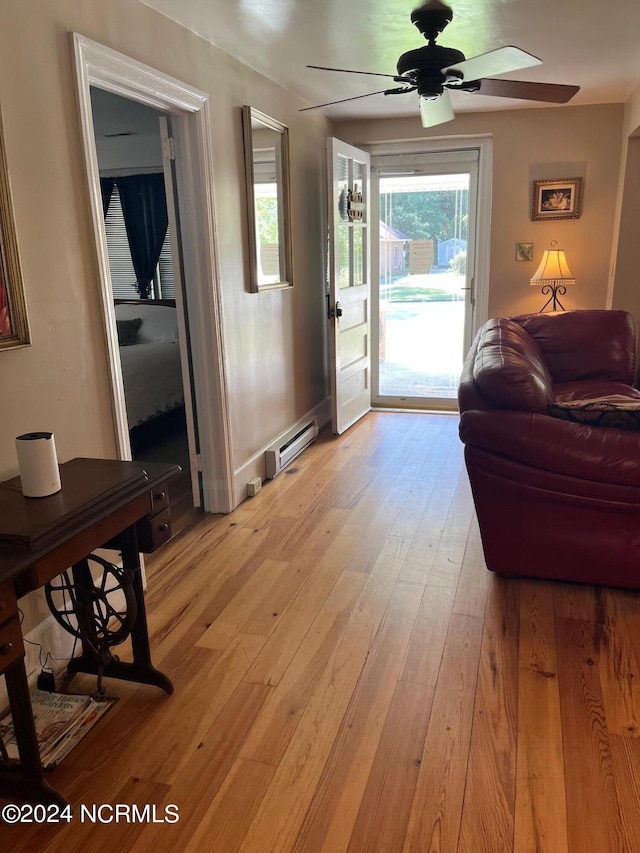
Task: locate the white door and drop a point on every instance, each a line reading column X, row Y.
column 168, row 164
column 349, row 297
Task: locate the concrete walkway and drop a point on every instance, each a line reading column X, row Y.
column 422, row 349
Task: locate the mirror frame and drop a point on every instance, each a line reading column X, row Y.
column 249, row 115
column 14, row 325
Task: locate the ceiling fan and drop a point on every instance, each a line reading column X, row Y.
column 432, row 71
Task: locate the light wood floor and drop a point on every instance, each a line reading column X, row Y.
column 349, row 677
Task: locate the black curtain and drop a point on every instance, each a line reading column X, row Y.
column 144, row 206
column 106, row 187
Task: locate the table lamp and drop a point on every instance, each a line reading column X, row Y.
column 553, row 275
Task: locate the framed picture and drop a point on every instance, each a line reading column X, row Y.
column 524, row 251
column 557, row 199
column 14, row 329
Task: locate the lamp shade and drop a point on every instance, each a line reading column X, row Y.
column 553, row 269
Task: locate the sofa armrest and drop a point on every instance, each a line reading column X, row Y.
column 599, row 454
column 468, row 395
column 508, row 368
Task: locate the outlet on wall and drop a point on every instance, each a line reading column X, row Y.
column 254, row 486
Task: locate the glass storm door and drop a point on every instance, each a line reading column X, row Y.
column 423, row 272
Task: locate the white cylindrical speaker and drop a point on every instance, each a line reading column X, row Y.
column 38, row 464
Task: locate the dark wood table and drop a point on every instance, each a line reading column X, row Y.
column 102, row 503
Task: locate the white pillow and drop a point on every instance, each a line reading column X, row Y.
column 159, row 322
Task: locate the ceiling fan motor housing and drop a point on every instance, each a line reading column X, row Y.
column 423, row 67
column 431, row 18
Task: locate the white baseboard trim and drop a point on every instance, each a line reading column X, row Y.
column 255, row 467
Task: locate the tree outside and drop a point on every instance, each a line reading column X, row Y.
column 436, row 215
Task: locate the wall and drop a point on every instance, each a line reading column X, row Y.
column 534, row 144
column 113, row 115
column 625, row 293
column 274, row 342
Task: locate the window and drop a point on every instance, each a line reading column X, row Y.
column 123, row 277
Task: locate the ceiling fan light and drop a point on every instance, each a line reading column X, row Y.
column 434, row 111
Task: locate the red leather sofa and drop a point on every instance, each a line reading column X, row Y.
column 554, row 498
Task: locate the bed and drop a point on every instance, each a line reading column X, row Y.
column 150, row 359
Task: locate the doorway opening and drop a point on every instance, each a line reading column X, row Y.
column 425, row 270
column 154, row 362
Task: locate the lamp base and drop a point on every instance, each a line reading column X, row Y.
column 554, row 290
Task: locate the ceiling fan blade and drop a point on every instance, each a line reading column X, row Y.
column 554, row 93
column 499, row 61
column 349, row 71
column 436, row 111
column 343, row 100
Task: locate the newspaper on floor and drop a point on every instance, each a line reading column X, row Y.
column 61, row 721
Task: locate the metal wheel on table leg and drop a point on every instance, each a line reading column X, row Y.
column 92, row 610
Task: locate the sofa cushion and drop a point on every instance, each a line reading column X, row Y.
column 580, row 451
column 588, row 389
column 509, row 369
column 616, row 411
column 590, row 344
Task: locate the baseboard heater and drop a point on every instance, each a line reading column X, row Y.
column 286, row 450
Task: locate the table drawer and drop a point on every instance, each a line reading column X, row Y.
column 160, row 498
column 8, row 603
column 154, row 531
column 11, row 646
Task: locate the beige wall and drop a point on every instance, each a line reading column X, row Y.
column 274, row 341
column 537, row 144
column 625, row 290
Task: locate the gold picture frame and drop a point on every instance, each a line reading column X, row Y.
column 558, row 199
column 524, row 251
column 14, row 326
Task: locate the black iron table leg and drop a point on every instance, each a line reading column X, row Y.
column 140, row 669
column 28, row 782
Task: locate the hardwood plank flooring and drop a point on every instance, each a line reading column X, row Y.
column 349, row 677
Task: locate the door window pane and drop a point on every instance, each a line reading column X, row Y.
column 344, row 255
column 358, row 255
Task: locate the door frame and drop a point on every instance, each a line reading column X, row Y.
column 169, row 146
column 461, row 161
column 100, row 66
column 441, row 145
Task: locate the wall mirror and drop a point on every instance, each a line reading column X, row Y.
column 266, row 151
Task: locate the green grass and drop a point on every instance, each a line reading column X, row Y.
column 406, row 293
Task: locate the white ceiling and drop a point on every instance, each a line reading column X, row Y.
column 589, row 43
